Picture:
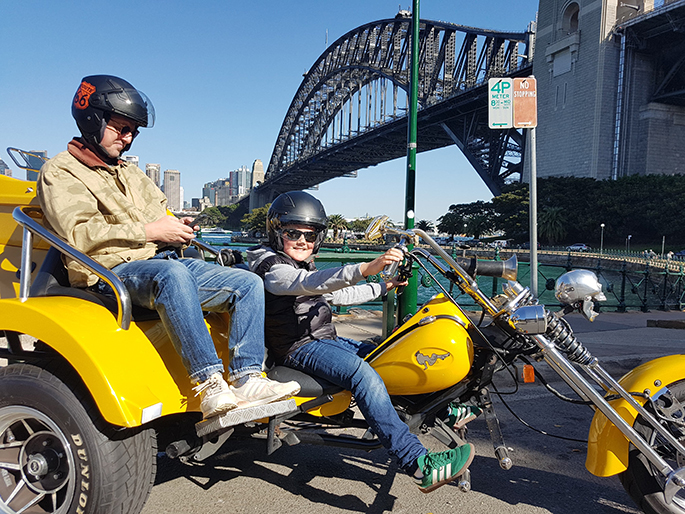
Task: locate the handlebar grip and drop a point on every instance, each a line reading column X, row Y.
column 474, row 267
column 391, row 269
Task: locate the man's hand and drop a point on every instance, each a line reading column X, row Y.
column 377, row 265
column 169, row 229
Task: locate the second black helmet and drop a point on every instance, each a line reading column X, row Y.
column 295, row 208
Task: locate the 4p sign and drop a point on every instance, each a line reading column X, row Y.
column 500, row 105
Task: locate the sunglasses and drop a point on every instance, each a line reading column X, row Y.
column 292, row 234
column 123, row 131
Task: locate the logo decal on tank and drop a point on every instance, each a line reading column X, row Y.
column 425, row 360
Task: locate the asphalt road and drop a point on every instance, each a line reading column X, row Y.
column 548, row 474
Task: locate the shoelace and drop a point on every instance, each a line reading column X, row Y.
column 436, row 460
column 210, row 382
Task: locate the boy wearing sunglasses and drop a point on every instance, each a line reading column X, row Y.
column 111, row 211
column 299, row 331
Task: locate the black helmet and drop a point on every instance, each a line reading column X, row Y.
column 295, row 208
column 100, row 96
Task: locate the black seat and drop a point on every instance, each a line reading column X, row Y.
column 52, row 280
column 310, row 387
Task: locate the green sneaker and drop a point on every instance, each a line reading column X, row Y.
column 442, row 467
column 458, row 414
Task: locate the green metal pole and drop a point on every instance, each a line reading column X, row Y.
column 407, row 300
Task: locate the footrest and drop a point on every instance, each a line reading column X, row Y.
column 238, row 416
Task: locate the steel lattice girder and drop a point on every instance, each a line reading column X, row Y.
column 363, row 72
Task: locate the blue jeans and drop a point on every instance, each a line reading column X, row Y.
column 341, row 362
column 180, row 289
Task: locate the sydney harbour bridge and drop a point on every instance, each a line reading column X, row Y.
column 350, row 111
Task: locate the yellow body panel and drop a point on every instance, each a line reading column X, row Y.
column 607, row 452
column 15, row 192
column 423, row 359
column 126, row 371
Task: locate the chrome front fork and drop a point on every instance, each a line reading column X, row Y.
column 675, row 479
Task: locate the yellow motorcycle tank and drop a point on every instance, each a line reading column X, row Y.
column 430, row 352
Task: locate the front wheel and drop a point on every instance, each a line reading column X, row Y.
column 644, row 483
column 53, row 458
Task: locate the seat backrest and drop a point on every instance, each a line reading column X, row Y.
column 52, row 279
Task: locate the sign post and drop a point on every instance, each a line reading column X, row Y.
column 526, row 117
column 408, row 299
column 513, row 103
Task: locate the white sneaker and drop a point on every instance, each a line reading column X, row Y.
column 256, row 389
column 216, row 396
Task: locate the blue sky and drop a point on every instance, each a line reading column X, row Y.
column 221, row 75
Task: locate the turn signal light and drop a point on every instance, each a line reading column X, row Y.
column 528, row 374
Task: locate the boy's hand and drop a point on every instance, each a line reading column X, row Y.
column 377, row 265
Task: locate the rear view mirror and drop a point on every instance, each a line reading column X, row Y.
column 376, row 228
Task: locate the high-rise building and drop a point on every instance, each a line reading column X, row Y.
column 172, row 189
column 35, row 158
column 4, row 169
column 154, row 172
column 257, row 173
column 209, row 192
column 133, row 159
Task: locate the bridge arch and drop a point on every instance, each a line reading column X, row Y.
column 358, row 87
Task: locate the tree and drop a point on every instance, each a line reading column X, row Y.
column 551, row 224
column 337, row 223
column 425, row 225
column 216, row 218
column 452, row 223
column 360, row 224
column 479, row 224
column 255, row 221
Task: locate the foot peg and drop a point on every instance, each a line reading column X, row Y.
column 464, row 483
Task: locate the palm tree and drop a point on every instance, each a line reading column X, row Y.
column 551, row 224
column 425, row 225
column 337, row 222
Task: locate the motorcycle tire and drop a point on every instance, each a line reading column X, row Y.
column 58, row 456
column 643, row 483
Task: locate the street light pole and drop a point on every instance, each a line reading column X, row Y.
column 601, row 240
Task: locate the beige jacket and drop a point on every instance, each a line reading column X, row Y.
column 84, row 205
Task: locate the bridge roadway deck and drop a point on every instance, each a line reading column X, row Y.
column 548, row 476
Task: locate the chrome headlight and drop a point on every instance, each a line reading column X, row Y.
column 578, row 285
column 580, row 288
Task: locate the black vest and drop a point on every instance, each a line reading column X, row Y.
column 292, row 321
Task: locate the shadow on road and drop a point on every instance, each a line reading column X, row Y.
column 306, row 467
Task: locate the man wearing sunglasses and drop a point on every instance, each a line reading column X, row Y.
column 111, row 211
column 300, row 333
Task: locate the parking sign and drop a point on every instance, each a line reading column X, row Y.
column 500, row 107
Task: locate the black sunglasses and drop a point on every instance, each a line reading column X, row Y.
column 294, row 235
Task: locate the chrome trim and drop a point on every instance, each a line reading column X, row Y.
column 574, row 379
column 33, row 227
column 529, row 319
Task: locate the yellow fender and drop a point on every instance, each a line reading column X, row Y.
column 134, row 375
column 607, row 452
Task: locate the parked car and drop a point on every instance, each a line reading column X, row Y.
column 578, row 247
column 526, row 245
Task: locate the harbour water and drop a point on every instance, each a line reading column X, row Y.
column 426, row 284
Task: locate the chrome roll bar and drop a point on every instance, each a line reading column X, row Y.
column 24, row 216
